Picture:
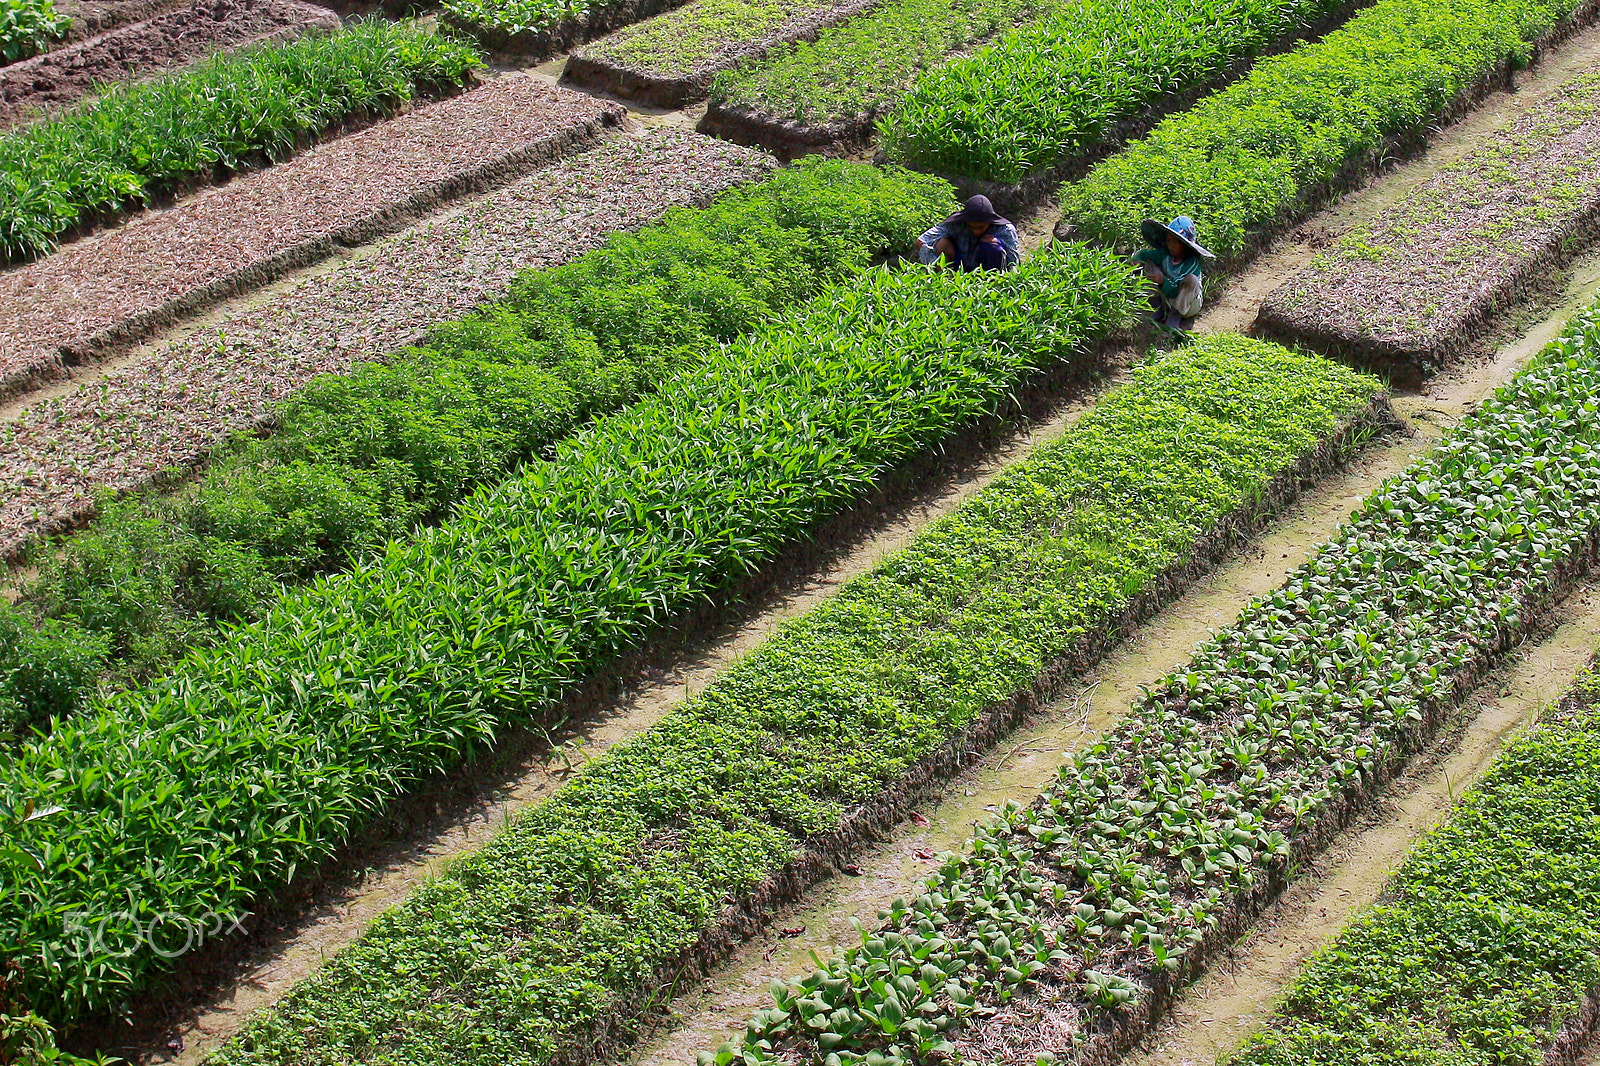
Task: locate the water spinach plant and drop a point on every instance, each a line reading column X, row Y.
column 1487, row 942
column 547, row 940
column 28, row 27
column 265, row 752
column 360, row 458
column 1248, row 159
column 261, row 103
column 1106, row 893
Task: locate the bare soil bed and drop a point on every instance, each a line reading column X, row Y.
column 670, row 61
column 91, row 17
column 123, row 430
column 60, row 77
column 1414, row 287
column 104, row 293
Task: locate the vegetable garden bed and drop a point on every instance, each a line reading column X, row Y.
column 27, row 27
column 96, row 161
column 99, row 296
column 1415, row 286
column 1484, row 947
column 34, row 86
column 351, row 691
column 123, row 431
column 357, row 460
column 669, row 61
column 1074, row 922
column 539, row 29
column 831, row 729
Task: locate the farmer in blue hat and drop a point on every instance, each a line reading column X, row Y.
column 974, row 238
column 1175, row 262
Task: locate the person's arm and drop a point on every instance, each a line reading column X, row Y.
column 1011, row 243
column 926, row 253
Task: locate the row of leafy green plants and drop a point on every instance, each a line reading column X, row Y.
column 261, row 754
column 538, row 947
column 1149, row 846
column 28, row 27
column 1250, row 158
column 1486, row 944
column 140, row 140
column 359, row 459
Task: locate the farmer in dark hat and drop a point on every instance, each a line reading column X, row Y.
column 974, row 238
column 1175, row 262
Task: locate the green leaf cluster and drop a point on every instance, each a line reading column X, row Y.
column 1247, row 158
column 1148, row 838
column 361, row 458
column 691, row 38
column 267, row 751
column 28, row 27
column 1488, row 938
column 1059, row 88
column 230, row 111
column 536, row 944
column 512, row 17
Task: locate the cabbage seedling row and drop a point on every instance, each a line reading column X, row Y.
column 1485, row 948
column 1083, row 914
column 361, row 458
column 265, row 753
column 139, row 140
column 545, row 944
column 537, row 29
column 1250, row 159
column 120, row 432
column 28, row 27
column 1410, row 289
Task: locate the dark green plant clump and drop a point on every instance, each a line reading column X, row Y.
column 225, row 113
column 28, row 27
column 1248, row 158
column 544, row 937
column 268, row 750
column 1113, row 879
column 1045, row 92
column 363, row 458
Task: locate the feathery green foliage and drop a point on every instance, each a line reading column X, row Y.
column 230, row 111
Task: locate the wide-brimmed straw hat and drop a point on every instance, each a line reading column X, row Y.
column 1155, row 234
column 977, row 209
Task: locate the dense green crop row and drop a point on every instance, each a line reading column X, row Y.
column 268, row 750
column 535, row 942
column 697, row 35
column 226, row 112
column 1487, row 940
column 358, row 459
column 1045, row 92
column 28, row 26
column 1148, row 838
column 1248, row 158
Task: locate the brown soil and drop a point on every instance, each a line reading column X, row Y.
column 92, row 17
column 46, row 82
column 101, row 294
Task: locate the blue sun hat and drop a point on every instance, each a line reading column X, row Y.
column 1155, row 234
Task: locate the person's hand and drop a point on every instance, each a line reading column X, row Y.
column 989, row 238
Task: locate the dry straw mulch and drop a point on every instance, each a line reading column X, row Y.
column 121, row 431
column 115, row 288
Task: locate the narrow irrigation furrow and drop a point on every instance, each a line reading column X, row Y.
column 96, row 297
column 65, row 75
column 120, row 430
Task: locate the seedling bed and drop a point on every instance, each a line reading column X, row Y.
column 1071, row 925
column 64, row 75
column 693, row 44
column 1414, row 288
column 536, row 43
column 123, row 431
column 99, row 296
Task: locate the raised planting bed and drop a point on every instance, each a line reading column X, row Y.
column 538, row 29
column 1411, row 289
column 31, row 88
column 1485, row 948
column 349, row 692
column 356, row 460
column 91, row 18
column 1068, row 927
column 99, row 296
column 29, row 26
column 683, row 838
column 670, row 60
column 1301, row 127
column 124, row 430
column 138, row 141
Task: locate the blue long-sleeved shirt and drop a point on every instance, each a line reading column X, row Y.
column 966, row 243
